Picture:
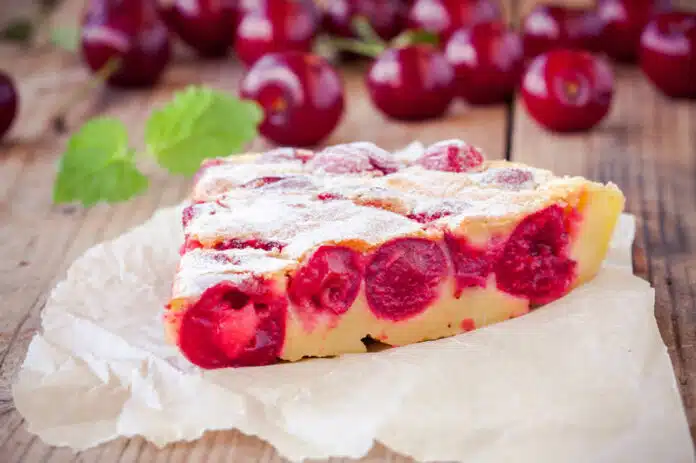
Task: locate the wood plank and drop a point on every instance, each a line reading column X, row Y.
column 647, row 147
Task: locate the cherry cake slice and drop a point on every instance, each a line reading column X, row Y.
column 293, row 253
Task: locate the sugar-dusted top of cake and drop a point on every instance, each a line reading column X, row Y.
column 280, row 205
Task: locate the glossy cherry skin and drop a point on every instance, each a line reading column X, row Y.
column 205, row 25
column 276, row 26
column 411, row 83
column 384, row 16
column 130, row 31
column 550, row 27
column 568, row 90
column 301, row 94
column 9, row 103
column 668, row 53
column 488, row 62
column 443, row 17
column 622, row 23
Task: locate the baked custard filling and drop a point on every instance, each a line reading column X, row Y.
column 291, row 253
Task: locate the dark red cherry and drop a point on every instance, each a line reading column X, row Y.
column 487, row 60
column 549, row 27
column 207, row 26
column 383, row 15
column 622, row 23
column 276, row 26
column 411, row 83
column 668, row 53
column 568, row 90
column 131, row 32
column 301, row 95
column 443, row 17
column 9, row 103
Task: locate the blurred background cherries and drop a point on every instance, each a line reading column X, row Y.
column 421, row 55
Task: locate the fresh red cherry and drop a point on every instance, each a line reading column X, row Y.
column 131, row 32
column 487, row 60
column 411, row 83
column 301, row 94
column 443, row 17
column 668, row 53
column 549, row 27
column 204, row 25
column 276, row 26
column 568, row 90
column 9, row 103
column 622, row 23
column 383, row 15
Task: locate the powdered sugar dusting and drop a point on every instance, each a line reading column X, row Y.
column 354, row 193
column 202, row 268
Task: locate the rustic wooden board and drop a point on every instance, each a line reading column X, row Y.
column 648, row 147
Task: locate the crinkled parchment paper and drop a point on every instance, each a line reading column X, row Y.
column 585, row 379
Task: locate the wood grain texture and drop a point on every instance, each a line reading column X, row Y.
column 647, row 147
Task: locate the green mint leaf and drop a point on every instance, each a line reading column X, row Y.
column 200, row 123
column 415, row 37
column 67, row 38
column 98, row 165
column 17, row 30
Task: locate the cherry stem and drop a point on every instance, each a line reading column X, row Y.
column 359, row 47
column 99, row 78
column 364, row 30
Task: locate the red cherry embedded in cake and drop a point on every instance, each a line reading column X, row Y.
column 207, row 26
column 622, row 23
column 472, row 264
column 549, row 27
column 328, row 282
column 668, row 53
column 301, row 95
column 451, row 156
column 131, row 32
column 411, row 83
column 285, row 154
column 276, row 26
column 443, row 17
column 383, row 15
column 534, row 262
column 487, row 60
column 353, row 158
column 404, row 277
column 231, row 326
column 568, row 90
column 9, row 103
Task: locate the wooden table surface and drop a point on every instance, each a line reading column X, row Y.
column 647, row 146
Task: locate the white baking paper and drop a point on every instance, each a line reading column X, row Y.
column 584, row 379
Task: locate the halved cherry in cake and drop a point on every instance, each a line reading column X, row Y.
column 328, row 282
column 231, row 326
column 534, row 262
column 472, row 264
column 354, row 158
column 404, row 276
column 451, row 156
column 285, row 154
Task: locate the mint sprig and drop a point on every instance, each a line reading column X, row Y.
column 98, row 165
column 199, row 123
